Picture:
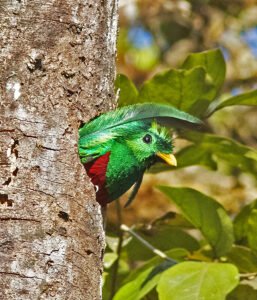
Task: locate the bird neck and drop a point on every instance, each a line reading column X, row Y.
column 122, row 157
column 123, row 170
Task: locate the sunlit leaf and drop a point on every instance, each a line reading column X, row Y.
column 161, row 236
column 145, row 278
column 227, row 150
column 193, row 155
column 143, row 284
column 214, row 64
column 244, row 258
column 173, row 219
column 127, row 91
column 190, row 89
column 180, row 88
column 245, row 225
column 208, row 149
column 109, row 259
column 251, row 230
column 206, row 214
column 131, row 290
column 241, row 220
column 249, row 98
column 112, row 242
column 197, row 281
column 189, row 156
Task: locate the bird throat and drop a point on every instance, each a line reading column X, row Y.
column 123, row 171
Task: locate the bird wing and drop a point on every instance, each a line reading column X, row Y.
column 95, row 145
column 134, row 191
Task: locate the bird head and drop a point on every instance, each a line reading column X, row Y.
column 133, row 126
column 148, row 141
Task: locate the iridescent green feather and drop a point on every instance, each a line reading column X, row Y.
column 94, row 145
column 96, row 137
column 135, row 113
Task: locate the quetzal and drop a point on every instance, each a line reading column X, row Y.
column 117, row 147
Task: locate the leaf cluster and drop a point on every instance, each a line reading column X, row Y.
column 216, row 253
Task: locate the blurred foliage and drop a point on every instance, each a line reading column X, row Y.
column 177, row 28
column 203, row 215
column 210, row 248
column 160, row 34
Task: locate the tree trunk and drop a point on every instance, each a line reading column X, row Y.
column 56, row 71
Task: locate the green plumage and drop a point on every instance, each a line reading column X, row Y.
column 117, row 147
column 96, row 136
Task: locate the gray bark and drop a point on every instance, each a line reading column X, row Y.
column 56, row 70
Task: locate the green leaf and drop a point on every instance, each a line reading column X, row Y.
column 109, row 259
column 193, row 155
column 127, row 90
column 180, row 88
column 244, row 259
column 190, row 89
column 209, row 149
column 132, row 289
column 173, row 219
column 188, row 156
column 197, row 281
column 227, row 150
column 112, row 242
column 144, row 279
column 177, row 254
column 143, row 283
column 214, row 64
column 123, row 271
column 161, row 236
column 206, row 214
column 251, row 230
column 245, row 225
column 249, row 98
column 241, row 220
column 243, row 292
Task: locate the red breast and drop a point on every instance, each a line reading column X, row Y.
column 96, row 170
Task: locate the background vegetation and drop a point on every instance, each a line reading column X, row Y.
column 199, row 56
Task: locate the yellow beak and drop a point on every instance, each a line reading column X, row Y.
column 170, row 159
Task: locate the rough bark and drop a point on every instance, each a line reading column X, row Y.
column 56, row 71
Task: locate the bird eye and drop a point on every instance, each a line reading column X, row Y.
column 147, row 138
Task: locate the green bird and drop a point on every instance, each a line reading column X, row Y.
column 117, row 147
